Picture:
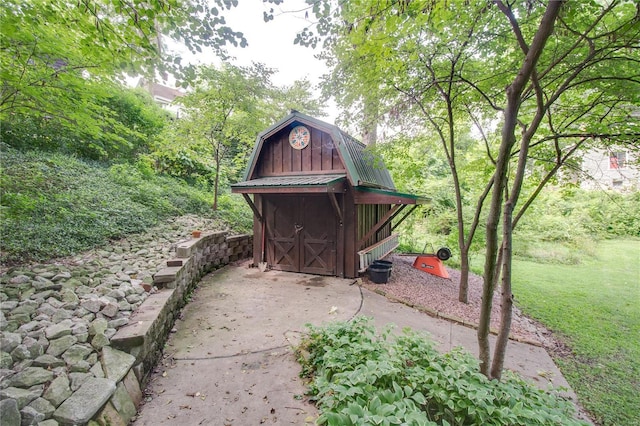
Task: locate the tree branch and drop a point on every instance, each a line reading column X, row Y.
column 582, row 37
column 482, row 134
column 560, row 160
column 506, row 10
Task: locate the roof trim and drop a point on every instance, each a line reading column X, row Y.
column 283, row 184
column 367, row 195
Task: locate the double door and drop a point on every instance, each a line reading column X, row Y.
column 301, row 233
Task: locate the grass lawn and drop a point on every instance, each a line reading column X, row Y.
column 594, row 307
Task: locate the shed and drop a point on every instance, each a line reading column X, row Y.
column 322, row 203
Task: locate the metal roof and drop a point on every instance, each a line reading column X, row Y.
column 364, row 167
column 282, row 181
column 369, row 167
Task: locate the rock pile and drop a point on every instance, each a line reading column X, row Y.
column 56, row 321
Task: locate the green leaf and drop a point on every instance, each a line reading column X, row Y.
column 419, row 398
column 408, row 391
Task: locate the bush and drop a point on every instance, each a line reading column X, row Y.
column 562, row 225
column 234, row 211
column 359, row 378
column 559, row 227
column 184, row 163
column 128, row 121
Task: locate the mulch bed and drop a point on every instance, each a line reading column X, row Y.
column 439, row 297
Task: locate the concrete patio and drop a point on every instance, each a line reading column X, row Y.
column 230, row 360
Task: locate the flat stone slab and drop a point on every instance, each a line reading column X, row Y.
column 85, row 402
column 9, row 412
column 236, row 238
column 166, row 275
column 116, row 363
column 186, row 249
column 31, row 376
column 132, row 334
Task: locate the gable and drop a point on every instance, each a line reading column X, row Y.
column 330, row 151
column 278, row 158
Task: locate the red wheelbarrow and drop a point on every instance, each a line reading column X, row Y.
column 432, row 263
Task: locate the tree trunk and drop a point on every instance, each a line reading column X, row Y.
column 215, row 189
column 484, row 324
column 370, row 121
column 514, row 92
column 216, row 181
column 493, row 220
column 507, row 297
column 463, row 290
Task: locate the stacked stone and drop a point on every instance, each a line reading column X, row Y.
column 56, row 322
column 214, row 251
column 54, row 325
column 197, row 256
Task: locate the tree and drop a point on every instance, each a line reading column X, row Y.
column 571, row 79
column 53, row 51
column 227, row 107
column 221, row 112
column 398, row 64
column 594, row 49
column 297, row 96
column 131, row 122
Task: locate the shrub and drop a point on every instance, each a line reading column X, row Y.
column 234, row 211
column 360, row 378
column 127, row 122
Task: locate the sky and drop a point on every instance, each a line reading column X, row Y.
column 271, row 43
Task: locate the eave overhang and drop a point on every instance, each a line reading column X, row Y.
column 292, row 184
column 367, row 195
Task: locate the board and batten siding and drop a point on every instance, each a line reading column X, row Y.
column 368, row 216
column 279, row 158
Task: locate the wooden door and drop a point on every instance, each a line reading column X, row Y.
column 317, row 236
column 301, row 234
column 281, row 217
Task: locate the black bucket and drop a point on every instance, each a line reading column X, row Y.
column 384, row 263
column 379, row 274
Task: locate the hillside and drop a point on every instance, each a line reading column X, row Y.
column 54, row 205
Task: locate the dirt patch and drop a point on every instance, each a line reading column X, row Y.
column 317, row 281
column 439, row 296
column 254, row 275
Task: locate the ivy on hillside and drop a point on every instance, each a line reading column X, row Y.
column 53, row 205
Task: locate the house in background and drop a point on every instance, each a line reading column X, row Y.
column 322, row 203
column 164, row 96
column 613, row 169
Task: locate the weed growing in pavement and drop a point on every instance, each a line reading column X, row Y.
column 358, row 377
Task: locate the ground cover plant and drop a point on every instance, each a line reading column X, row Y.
column 593, row 307
column 56, row 205
column 359, row 377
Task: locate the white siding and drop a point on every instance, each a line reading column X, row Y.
column 601, row 173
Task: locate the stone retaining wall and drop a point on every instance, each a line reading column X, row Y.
column 150, row 325
column 66, row 355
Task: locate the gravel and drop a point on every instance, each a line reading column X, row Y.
column 417, row 288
